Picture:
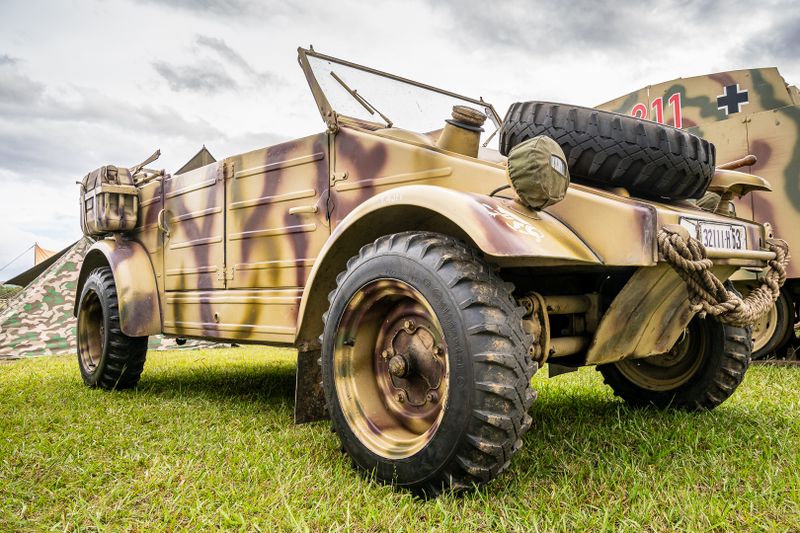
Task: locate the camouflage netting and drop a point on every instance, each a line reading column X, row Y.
column 38, row 320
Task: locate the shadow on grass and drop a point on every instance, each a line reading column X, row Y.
column 235, row 384
column 574, row 436
column 576, row 430
column 579, row 413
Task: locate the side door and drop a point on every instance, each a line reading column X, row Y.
column 276, row 224
column 194, row 248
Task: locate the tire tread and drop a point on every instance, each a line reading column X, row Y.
column 502, row 364
column 649, row 159
column 122, row 366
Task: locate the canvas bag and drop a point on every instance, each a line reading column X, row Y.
column 537, row 169
column 109, row 201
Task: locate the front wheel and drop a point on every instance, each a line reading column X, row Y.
column 108, row 359
column 700, row 372
column 426, row 368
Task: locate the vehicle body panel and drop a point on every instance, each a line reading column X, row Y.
column 194, row 251
column 247, row 249
column 259, row 220
column 647, row 317
column 742, row 112
column 137, row 291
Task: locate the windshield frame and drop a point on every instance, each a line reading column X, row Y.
column 329, row 115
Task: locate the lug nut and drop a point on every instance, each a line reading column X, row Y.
column 432, row 397
column 438, row 351
column 400, row 397
column 398, row 366
column 408, row 326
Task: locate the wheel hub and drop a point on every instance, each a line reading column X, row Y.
column 390, row 368
column 764, row 328
column 398, row 366
column 91, row 331
column 668, row 371
column 416, row 368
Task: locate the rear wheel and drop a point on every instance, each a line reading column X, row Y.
column 774, row 331
column 700, row 372
column 107, row 358
column 426, row 367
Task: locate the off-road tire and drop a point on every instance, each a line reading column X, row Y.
column 725, row 360
column 783, row 334
column 649, row 159
column 116, row 361
column 486, row 412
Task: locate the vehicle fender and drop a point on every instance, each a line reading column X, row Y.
column 135, row 280
column 507, row 232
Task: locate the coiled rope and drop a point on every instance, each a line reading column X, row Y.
column 707, row 294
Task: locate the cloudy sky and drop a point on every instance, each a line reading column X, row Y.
column 92, row 82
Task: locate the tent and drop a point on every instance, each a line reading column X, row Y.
column 38, row 319
column 40, row 254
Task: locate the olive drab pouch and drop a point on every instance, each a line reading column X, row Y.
column 537, row 170
column 109, row 201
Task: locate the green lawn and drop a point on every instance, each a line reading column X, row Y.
column 207, row 441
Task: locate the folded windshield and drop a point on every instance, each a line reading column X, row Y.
column 383, row 99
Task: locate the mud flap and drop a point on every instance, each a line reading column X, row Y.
column 309, row 400
column 647, row 316
column 554, row 370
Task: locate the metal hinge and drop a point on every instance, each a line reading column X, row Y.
column 339, row 176
column 225, row 274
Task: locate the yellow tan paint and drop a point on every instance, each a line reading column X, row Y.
column 137, row 291
column 248, row 248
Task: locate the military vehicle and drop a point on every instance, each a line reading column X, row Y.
column 744, row 112
column 424, row 277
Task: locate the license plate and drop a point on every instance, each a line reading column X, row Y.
column 716, row 235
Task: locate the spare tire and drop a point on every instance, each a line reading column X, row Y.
column 649, row 159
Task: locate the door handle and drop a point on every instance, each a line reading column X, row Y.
column 162, row 223
column 299, row 209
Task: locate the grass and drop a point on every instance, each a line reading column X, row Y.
column 207, row 441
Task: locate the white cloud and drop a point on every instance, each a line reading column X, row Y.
column 98, row 82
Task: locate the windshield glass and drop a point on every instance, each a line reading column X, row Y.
column 386, row 100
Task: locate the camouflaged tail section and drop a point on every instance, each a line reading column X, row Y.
column 742, row 112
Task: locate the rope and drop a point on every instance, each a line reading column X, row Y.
column 20, row 255
column 707, row 294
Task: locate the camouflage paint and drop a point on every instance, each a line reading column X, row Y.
column 137, row 292
column 768, row 126
column 247, row 248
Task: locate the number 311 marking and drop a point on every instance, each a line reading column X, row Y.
column 657, row 105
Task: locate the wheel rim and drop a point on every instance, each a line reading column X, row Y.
column 764, row 329
column 670, row 370
column 390, row 368
column 91, row 331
